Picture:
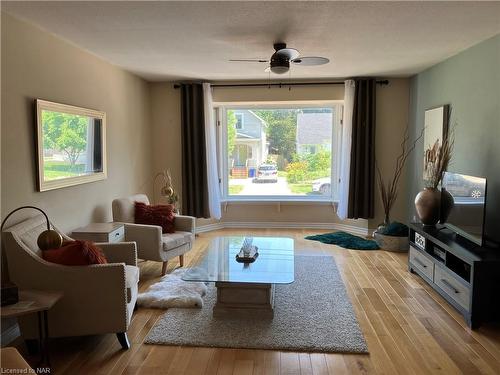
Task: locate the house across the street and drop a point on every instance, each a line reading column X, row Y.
column 250, row 149
column 314, row 132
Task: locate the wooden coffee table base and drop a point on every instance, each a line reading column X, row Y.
column 244, row 298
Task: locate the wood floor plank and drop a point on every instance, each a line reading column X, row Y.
column 358, row 364
column 181, row 360
column 213, row 364
column 336, row 364
column 319, row 365
column 305, row 364
column 259, row 366
column 272, row 362
column 378, row 355
column 119, row 359
column 453, row 350
column 138, row 359
column 289, row 363
column 226, row 363
column 158, row 360
column 243, row 367
column 199, row 361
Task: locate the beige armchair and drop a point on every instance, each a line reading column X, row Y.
column 97, row 299
column 151, row 243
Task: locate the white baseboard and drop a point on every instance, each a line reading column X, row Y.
column 209, row 227
column 10, row 334
column 282, row 225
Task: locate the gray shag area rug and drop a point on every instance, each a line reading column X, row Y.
column 312, row 314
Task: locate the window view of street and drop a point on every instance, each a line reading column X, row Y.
column 286, row 152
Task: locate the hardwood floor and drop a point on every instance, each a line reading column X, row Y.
column 409, row 329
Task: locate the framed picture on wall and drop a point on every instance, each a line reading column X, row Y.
column 435, row 123
column 71, row 144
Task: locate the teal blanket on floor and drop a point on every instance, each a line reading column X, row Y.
column 343, row 239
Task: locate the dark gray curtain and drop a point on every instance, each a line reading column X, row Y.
column 97, row 162
column 194, row 164
column 362, row 172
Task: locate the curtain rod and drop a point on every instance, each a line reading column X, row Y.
column 283, row 84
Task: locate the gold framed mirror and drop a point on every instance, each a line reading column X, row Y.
column 71, row 145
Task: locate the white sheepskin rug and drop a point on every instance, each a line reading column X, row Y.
column 172, row 291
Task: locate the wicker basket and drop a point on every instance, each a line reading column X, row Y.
column 391, row 243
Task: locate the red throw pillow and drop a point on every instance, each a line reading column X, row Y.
column 162, row 215
column 75, row 253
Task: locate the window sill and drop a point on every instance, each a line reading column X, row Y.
column 280, row 200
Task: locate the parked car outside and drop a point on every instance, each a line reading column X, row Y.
column 465, row 186
column 322, row 186
column 267, row 173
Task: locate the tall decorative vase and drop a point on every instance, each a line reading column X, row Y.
column 381, row 227
column 428, row 205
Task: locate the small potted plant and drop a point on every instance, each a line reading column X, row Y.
column 393, row 236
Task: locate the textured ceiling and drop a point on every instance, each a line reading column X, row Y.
column 195, row 40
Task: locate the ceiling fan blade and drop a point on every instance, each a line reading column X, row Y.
column 249, row 60
column 311, row 60
column 288, row 53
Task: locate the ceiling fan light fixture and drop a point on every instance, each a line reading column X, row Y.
column 279, row 69
column 279, row 65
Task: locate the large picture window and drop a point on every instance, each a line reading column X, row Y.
column 281, row 152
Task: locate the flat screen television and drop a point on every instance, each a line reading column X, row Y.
column 467, row 212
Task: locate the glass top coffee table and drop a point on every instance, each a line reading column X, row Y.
column 245, row 287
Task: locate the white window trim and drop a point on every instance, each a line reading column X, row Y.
column 221, row 107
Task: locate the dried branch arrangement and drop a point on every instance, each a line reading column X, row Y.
column 438, row 160
column 389, row 190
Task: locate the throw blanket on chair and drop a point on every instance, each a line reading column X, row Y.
column 172, row 291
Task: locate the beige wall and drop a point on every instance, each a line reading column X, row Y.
column 36, row 64
column 392, row 116
column 392, row 119
column 166, row 125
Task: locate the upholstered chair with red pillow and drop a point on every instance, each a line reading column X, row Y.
column 166, row 235
column 99, row 282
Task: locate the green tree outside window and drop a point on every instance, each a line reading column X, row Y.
column 66, row 133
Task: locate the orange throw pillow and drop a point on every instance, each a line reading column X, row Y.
column 75, row 253
column 162, row 215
